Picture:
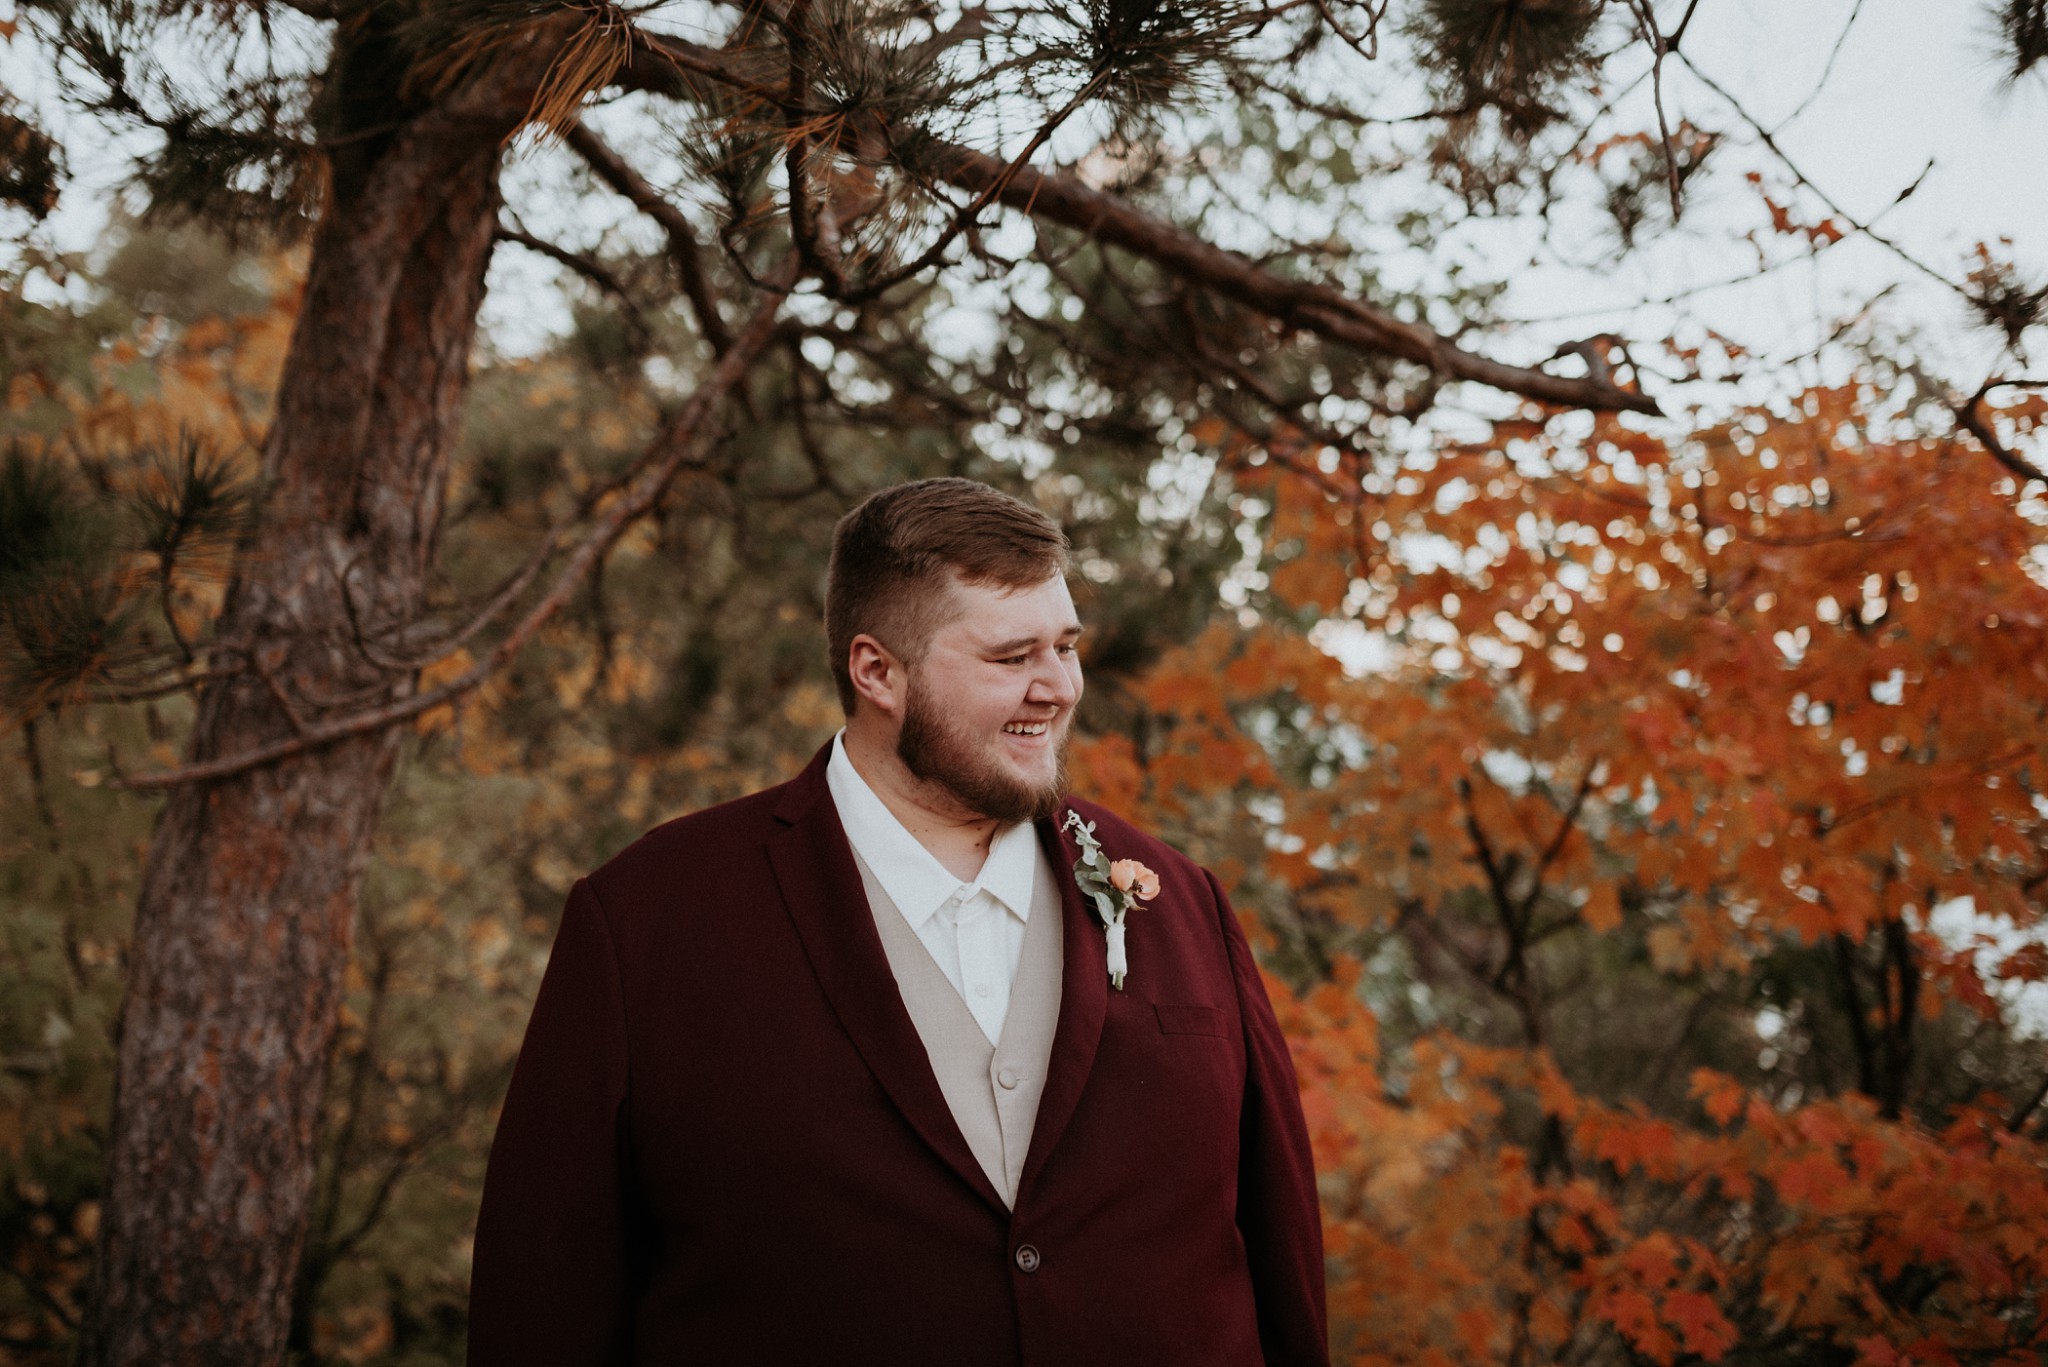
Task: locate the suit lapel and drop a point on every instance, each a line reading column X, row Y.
column 821, row 889
column 1084, row 997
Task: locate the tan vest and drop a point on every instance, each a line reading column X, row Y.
column 992, row 1091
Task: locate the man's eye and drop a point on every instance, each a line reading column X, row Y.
column 1066, row 647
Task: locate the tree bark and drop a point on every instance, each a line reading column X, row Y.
column 243, row 924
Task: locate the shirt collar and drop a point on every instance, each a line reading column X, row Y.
column 911, row 874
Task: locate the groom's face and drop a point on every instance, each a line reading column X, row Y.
column 990, row 704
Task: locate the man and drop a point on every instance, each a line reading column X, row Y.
column 837, row 1074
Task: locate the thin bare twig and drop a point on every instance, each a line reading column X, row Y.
column 1970, row 413
column 1859, row 225
column 1567, row 822
column 593, row 271
column 1646, row 20
column 276, row 691
column 683, row 250
column 1367, row 46
column 1834, row 54
column 1678, row 34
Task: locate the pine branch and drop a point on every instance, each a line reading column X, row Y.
column 988, row 193
column 592, row 270
column 679, row 445
column 683, row 250
column 1065, row 199
column 1062, row 198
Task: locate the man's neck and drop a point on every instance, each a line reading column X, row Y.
column 957, row 838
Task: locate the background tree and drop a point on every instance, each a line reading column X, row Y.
column 826, row 180
column 1657, row 903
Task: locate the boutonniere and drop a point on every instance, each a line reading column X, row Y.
column 1115, row 886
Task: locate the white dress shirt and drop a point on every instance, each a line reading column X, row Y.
column 975, row 930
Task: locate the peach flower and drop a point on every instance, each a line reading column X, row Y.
column 1127, row 875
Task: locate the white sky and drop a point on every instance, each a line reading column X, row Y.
column 1915, row 82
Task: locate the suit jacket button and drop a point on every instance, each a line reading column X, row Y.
column 1007, row 1077
column 1027, row 1258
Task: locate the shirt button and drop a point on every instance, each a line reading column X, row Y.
column 1027, row 1258
column 1007, row 1077
column 982, row 989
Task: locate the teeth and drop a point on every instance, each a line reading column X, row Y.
column 1027, row 728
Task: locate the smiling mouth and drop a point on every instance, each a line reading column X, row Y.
column 1026, row 728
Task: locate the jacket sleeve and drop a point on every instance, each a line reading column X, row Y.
column 1278, row 1213
column 553, row 1280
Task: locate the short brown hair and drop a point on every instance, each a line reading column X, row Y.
column 895, row 556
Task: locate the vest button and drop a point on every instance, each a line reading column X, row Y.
column 1007, row 1077
column 1027, row 1258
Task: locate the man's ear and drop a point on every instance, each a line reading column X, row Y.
column 878, row 676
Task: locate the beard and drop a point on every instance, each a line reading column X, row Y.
column 947, row 758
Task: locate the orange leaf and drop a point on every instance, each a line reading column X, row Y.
column 1722, row 1096
column 1602, row 911
column 1700, row 1324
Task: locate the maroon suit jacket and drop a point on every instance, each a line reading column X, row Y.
column 723, row 1142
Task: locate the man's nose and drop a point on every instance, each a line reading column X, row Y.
column 1058, row 681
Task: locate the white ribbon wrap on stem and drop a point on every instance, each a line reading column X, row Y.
column 1115, row 887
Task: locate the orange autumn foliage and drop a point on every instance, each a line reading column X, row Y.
column 1649, row 897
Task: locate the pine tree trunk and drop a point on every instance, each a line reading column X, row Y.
column 243, row 926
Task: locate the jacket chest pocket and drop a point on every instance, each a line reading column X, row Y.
column 1172, row 1075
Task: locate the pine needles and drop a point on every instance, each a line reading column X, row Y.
column 232, row 147
column 1152, row 52
column 1513, row 56
column 31, row 166
column 450, row 42
column 59, row 600
column 2022, row 30
column 589, row 59
column 83, row 561
column 2003, row 298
